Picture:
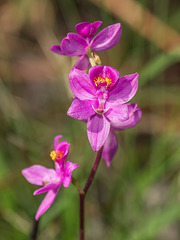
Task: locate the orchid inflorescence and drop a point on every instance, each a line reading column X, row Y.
column 100, row 100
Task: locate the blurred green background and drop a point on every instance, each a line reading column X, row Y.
column 138, row 197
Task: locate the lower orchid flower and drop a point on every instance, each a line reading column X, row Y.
column 51, row 179
column 99, row 100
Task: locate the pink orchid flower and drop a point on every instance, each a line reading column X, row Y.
column 111, row 144
column 51, row 179
column 99, row 100
column 78, row 44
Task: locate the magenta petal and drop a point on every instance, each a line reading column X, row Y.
column 104, row 72
column 86, row 29
column 110, row 147
column 118, row 113
column 81, row 110
column 83, row 63
column 107, row 38
column 97, row 129
column 134, row 117
column 56, row 49
column 124, row 89
column 63, row 147
column 59, row 166
column 46, row 188
column 67, row 173
column 74, row 45
column 56, row 141
column 81, row 85
column 47, row 202
column 37, row 173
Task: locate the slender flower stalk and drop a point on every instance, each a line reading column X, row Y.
column 82, row 195
column 34, row 231
column 83, row 192
column 81, row 216
column 93, row 171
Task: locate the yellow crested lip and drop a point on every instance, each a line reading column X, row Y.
column 56, row 155
column 99, row 81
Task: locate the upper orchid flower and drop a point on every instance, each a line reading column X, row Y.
column 111, row 144
column 99, row 100
column 83, row 42
column 51, row 179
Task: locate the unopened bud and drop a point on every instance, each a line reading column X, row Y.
column 97, row 59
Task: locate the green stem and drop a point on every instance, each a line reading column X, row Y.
column 77, row 185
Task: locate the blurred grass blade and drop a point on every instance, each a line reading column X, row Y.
column 158, row 65
column 152, row 225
